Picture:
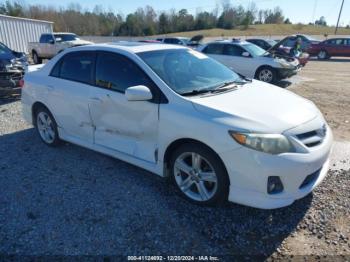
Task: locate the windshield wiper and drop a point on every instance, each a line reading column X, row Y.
column 226, row 86
column 196, row 92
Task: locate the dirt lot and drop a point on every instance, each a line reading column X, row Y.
column 327, row 84
column 72, row 201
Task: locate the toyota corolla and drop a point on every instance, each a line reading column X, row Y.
column 178, row 113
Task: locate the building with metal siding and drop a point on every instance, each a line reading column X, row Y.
column 16, row 32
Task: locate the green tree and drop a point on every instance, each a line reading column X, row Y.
column 163, row 24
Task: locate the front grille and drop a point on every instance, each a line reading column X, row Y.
column 310, row 179
column 313, row 138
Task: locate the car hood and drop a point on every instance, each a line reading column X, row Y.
column 257, row 107
column 7, row 56
column 79, row 42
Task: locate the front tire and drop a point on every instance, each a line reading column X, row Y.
column 266, row 74
column 199, row 175
column 46, row 127
column 323, row 55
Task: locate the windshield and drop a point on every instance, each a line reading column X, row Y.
column 186, row 71
column 271, row 42
column 254, row 50
column 310, row 38
column 65, row 37
column 185, row 40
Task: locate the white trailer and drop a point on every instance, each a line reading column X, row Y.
column 16, row 32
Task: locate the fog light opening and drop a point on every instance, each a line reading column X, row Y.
column 274, row 185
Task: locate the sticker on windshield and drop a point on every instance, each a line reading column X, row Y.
column 197, row 54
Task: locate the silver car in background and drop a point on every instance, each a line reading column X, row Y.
column 251, row 61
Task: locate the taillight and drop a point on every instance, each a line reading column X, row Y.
column 21, row 83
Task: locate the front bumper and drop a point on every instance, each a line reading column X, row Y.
column 11, row 79
column 249, row 171
column 283, row 73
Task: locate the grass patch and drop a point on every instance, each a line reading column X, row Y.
column 266, row 30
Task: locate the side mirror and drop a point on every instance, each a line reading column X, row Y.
column 51, row 41
column 245, row 54
column 138, row 93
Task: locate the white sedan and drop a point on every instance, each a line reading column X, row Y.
column 175, row 112
column 251, row 61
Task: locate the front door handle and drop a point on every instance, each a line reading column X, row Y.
column 96, row 99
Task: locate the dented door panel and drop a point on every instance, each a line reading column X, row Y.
column 126, row 126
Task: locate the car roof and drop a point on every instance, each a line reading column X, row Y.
column 263, row 39
column 63, row 33
column 131, row 47
column 176, row 37
column 235, row 42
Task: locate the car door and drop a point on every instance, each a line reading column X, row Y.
column 335, row 48
column 216, row 51
column 51, row 47
column 343, row 47
column 239, row 63
column 130, row 127
column 69, row 93
column 44, row 45
column 347, row 47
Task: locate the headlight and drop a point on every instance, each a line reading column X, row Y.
column 8, row 67
column 284, row 63
column 268, row 143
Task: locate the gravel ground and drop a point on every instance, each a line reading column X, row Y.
column 72, row 201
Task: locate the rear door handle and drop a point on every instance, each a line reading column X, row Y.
column 96, row 99
column 50, row 87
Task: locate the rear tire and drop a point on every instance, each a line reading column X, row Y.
column 46, row 127
column 266, row 74
column 199, row 175
column 36, row 59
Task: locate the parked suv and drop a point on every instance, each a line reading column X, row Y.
column 51, row 44
column 176, row 112
column 251, row 61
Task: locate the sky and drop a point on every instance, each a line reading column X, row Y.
column 303, row 11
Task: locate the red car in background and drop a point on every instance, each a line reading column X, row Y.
column 330, row 47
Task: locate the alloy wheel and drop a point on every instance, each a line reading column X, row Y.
column 195, row 176
column 45, row 127
column 266, row 75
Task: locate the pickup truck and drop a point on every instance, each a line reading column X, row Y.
column 51, row 44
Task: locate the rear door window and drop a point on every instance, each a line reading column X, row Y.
column 233, row 50
column 214, row 49
column 76, row 66
column 336, row 41
column 172, row 41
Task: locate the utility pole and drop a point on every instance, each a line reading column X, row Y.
column 313, row 12
column 341, row 9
